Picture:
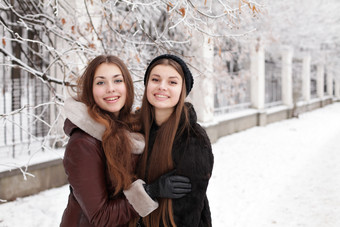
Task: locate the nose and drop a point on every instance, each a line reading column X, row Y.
column 162, row 85
column 110, row 88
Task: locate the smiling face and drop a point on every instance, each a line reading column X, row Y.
column 164, row 88
column 109, row 90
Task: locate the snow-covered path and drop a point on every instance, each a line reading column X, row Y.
column 286, row 174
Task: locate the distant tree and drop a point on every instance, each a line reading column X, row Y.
column 307, row 26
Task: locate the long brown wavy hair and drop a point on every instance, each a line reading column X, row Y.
column 115, row 141
column 159, row 161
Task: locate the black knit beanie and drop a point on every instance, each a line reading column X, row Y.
column 189, row 80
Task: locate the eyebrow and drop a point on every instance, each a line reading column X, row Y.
column 103, row 77
column 171, row 77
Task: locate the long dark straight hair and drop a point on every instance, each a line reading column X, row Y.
column 160, row 161
column 115, row 141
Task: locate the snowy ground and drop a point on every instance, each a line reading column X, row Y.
column 286, row 174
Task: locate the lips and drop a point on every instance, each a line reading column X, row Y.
column 111, row 99
column 161, row 96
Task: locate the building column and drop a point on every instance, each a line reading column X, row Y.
column 320, row 80
column 204, row 86
column 337, row 88
column 257, row 69
column 306, row 67
column 286, row 76
column 329, row 83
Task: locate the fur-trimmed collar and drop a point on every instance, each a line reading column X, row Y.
column 77, row 113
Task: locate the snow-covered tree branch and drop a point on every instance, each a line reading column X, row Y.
column 45, row 46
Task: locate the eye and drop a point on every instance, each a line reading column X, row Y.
column 117, row 81
column 154, row 79
column 100, row 83
column 173, row 82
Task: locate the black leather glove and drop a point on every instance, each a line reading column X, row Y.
column 169, row 186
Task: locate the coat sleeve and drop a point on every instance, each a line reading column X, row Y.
column 85, row 166
column 197, row 164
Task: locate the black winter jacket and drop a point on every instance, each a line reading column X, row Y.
column 192, row 157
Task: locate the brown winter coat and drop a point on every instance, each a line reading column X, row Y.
column 91, row 201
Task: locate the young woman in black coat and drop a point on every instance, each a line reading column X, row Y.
column 174, row 141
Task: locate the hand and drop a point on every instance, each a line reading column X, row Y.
column 169, row 186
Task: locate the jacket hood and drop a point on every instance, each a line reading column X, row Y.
column 77, row 113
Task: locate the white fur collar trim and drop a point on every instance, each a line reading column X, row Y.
column 77, row 113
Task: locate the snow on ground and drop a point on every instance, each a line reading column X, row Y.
column 24, row 160
column 286, row 174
